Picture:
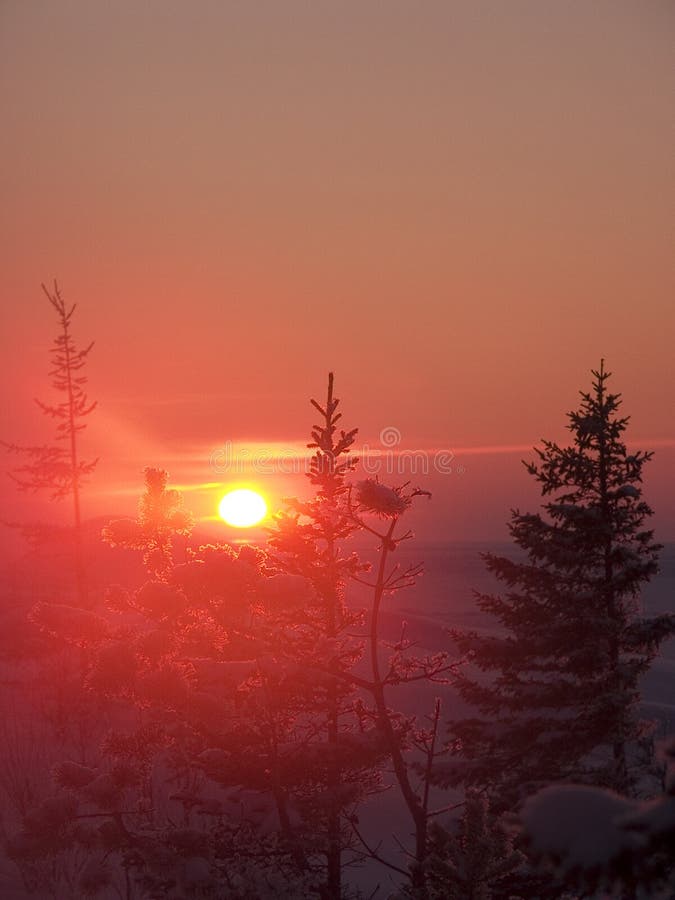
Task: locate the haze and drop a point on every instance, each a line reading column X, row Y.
column 457, row 207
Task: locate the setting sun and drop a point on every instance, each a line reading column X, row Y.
column 242, row 508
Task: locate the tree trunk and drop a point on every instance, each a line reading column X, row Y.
column 412, row 801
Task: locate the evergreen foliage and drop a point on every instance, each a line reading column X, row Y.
column 472, row 860
column 561, row 699
column 57, row 468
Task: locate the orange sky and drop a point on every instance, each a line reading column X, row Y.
column 459, row 207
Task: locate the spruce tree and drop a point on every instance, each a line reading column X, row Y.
column 572, row 643
column 361, row 727
column 308, row 540
column 58, row 467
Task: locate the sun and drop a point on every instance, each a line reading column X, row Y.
column 242, row 508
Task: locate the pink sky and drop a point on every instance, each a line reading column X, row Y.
column 457, row 207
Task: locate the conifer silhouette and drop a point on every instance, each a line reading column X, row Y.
column 57, row 468
column 562, row 701
column 307, row 541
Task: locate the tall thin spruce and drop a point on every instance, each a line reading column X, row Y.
column 330, row 485
column 314, row 550
column 54, row 467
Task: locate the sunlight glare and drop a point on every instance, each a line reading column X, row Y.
column 242, row 508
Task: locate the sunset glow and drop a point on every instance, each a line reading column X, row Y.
column 336, row 455
column 487, row 196
column 242, row 508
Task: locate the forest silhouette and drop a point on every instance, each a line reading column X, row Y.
column 197, row 718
